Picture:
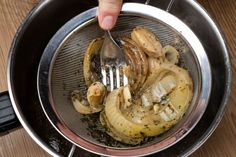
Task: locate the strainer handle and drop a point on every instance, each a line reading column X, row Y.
column 171, row 2
column 8, row 119
column 148, row 1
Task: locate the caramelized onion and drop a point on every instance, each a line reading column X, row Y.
column 147, row 41
column 95, row 96
column 136, row 58
column 92, row 51
column 81, row 105
column 171, row 54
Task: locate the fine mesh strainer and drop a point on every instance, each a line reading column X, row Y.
column 61, row 71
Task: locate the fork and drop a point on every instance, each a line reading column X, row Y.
column 112, row 63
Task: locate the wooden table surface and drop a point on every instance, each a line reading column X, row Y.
column 221, row 144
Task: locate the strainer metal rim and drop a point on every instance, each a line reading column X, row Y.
column 43, row 80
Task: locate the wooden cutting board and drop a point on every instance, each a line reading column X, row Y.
column 221, row 144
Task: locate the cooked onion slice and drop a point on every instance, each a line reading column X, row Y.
column 137, row 61
column 147, row 41
column 95, row 97
column 171, row 54
column 92, row 51
column 82, row 106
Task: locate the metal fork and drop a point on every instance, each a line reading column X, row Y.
column 112, row 62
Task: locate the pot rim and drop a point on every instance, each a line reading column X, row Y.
column 228, row 86
column 17, row 109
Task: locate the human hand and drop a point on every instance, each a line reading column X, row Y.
column 108, row 11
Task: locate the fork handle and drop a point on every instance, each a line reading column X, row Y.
column 108, row 34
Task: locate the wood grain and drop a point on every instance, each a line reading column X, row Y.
column 223, row 140
column 12, row 12
column 221, row 144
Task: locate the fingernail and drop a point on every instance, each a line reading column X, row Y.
column 107, row 23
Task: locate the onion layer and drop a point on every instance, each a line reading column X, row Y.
column 137, row 60
column 92, row 51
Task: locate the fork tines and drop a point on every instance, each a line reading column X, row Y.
column 113, row 77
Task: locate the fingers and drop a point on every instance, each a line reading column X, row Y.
column 108, row 11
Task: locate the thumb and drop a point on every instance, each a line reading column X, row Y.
column 108, row 11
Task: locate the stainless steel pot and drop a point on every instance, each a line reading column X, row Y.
column 24, row 59
column 61, row 61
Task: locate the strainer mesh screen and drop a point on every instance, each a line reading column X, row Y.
column 67, row 70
